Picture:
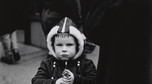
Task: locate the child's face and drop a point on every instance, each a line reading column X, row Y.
column 65, row 47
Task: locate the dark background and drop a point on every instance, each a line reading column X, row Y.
column 122, row 28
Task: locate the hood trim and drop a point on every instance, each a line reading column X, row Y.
column 73, row 31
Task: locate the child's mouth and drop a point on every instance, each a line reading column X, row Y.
column 64, row 55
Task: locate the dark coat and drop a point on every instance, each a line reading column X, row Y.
column 84, row 74
column 121, row 28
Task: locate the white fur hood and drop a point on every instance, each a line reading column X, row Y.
column 66, row 26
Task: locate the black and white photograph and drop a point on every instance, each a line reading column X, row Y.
column 75, row 42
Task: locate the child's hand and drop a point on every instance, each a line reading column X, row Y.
column 68, row 76
column 60, row 81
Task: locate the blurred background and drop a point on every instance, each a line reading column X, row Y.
column 32, row 46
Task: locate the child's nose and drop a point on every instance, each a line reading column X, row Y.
column 64, row 49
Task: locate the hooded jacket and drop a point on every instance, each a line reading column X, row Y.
column 51, row 68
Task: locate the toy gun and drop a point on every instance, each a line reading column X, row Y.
column 66, row 75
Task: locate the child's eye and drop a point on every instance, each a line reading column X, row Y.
column 58, row 44
column 70, row 44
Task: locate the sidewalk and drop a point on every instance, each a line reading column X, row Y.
column 25, row 69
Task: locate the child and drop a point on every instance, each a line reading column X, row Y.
column 66, row 63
